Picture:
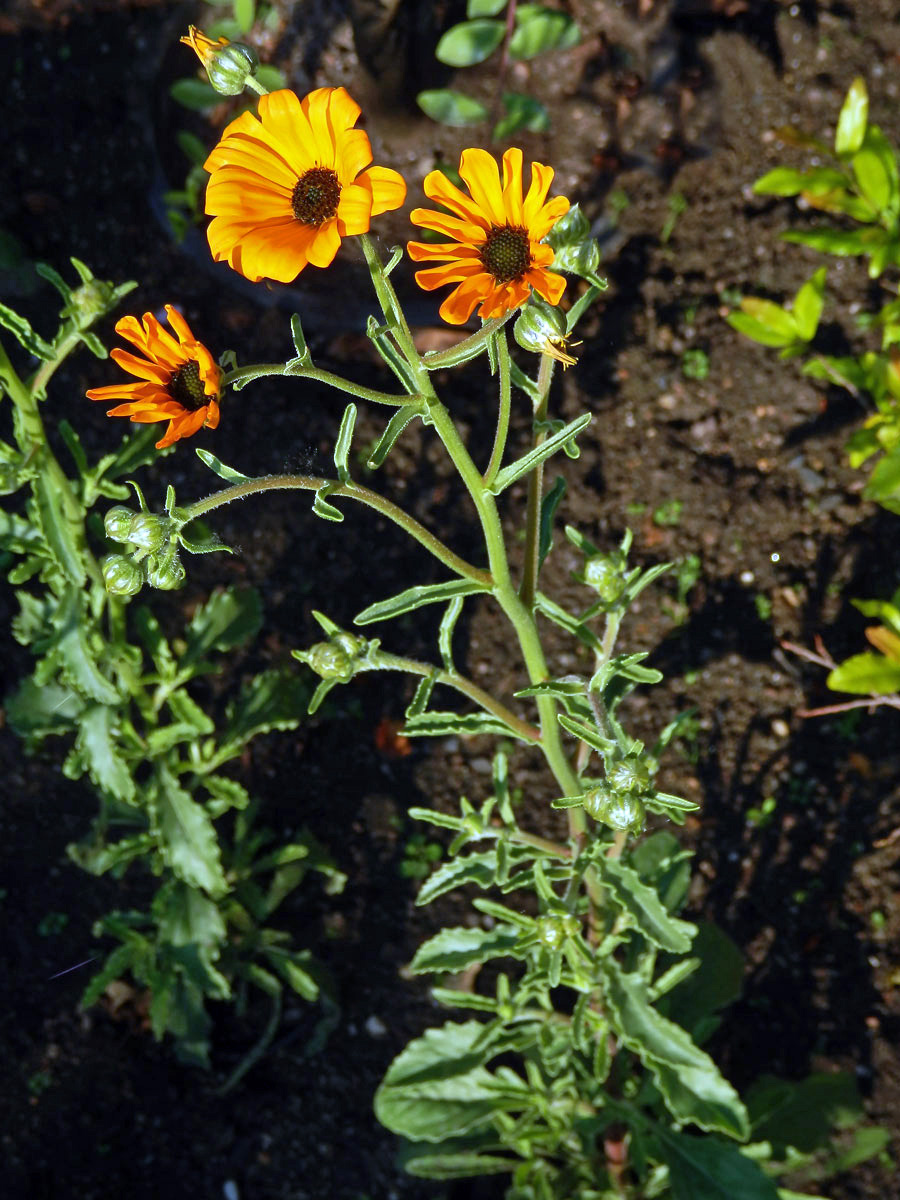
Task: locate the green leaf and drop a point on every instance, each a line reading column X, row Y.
column 872, row 178
column 808, row 305
column 444, row 724
column 783, row 181
column 445, row 634
column 708, row 1169
column 21, row 330
column 63, row 533
column 587, row 733
column 187, row 712
column 342, row 445
column 851, row 126
column 97, row 745
column 864, row 675
column 688, row 1079
column 225, row 794
column 322, row 508
column 188, row 840
column 196, row 94
column 549, row 505
column 245, row 14
column 522, row 112
column 437, row 1088
column 643, row 906
column 191, row 924
column 456, row 1166
column 35, row 710
column 884, row 482
column 451, row 108
column 469, row 42
column 291, row 966
column 803, row 1114
column 394, row 428
column 229, row 474
column 417, row 597
column 538, row 455
column 717, row 982
column 457, row 948
column 227, row 620
column 831, row 241
column 540, row 29
column 484, row 8
column 772, row 317
column 274, row 699
column 479, row 869
column 73, row 651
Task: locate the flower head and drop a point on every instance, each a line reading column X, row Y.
column 179, row 381
column 204, row 47
column 497, row 255
column 286, row 187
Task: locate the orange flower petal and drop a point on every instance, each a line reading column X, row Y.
column 548, row 216
column 512, row 186
column 354, row 209
column 353, row 153
column 285, row 123
column 141, row 367
column 459, row 305
column 438, row 187
column 454, row 272
column 422, row 251
column 461, row 231
column 324, row 246
column 478, row 170
column 388, row 189
column 547, row 284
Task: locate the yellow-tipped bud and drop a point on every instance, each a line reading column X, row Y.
column 228, row 65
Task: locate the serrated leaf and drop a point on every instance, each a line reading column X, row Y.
column 417, row 597
column 228, row 619
column 191, row 924
column 437, row 1088
column 451, row 108
column 187, row 712
column 72, row 650
column 469, row 42
column 689, row 1081
column 225, row 793
column 97, row 744
column 34, row 710
column 643, row 906
column 457, row 948
column 444, row 724
column 21, row 330
column 854, row 116
column 539, row 454
column 64, row 536
column 709, row 1169
column 188, row 840
column 276, row 699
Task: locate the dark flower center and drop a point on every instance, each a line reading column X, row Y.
column 506, row 253
column 314, row 199
column 186, row 387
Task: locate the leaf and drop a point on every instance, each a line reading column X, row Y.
column 196, row 94
column 274, row 699
column 549, row 505
column 191, row 924
column 443, row 724
column 417, row 597
column 225, row 794
column 717, row 982
column 456, row 1166
column 588, row 734
column 830, row 241
column 97, row 745
column 808, row 305
column 63, row 534
column 188, row 840
column 643, row 906
column 538, row 455
column 540, row 29
column 783, row 181
column 884, row 482
column 690, row 1083
column 851, row 126
column 865, row 674
column 437, row 1087
column 445, row 636
column 802, row 1114
column 522, row 112
column 708, row 1169
column 451, row 108
column 484, row 8
column 777, row 320
column 342, row 445
column 872, row 178
column 245, row 14
column 187, row 712
column 393, row 429
column 457, row 948
column 35, row 710
column 469, row 42
column 73, row 652
column 229, row 474
column 228, row 619
column 322, row 508
column 21, row 330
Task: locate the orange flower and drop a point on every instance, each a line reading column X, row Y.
column 496, row 256
column 180, row 382
column 285, row 188
column 205, row 48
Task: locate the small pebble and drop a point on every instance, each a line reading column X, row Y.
column 375, row 1027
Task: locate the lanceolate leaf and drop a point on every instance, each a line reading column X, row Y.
column 530, row 460
column 275, row 699
column 456, row 949
column 416, row 597
column 451, row 108
column 188, row 839
column 63, row 535
column 98, row 748
column 472, row 868
column 443, row 724
column 688, row 1079
column 456, row 1166
column 228, row 619
column 644, row 907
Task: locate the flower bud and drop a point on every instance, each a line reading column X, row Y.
column 618, row 810
column 541, row 328
column 148, row 531
column 551, row 932
column 605, row 573
column 165, row 572
column 90, row 301
column 574, row 249
column 631, row 774
column 228, row 65
column 330, row 661
column 121, row 576
column 117, row 523
column 571, row 229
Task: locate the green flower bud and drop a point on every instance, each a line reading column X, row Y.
column 570, row 230
column 90, row 301
column 165, row 572
column 618, row 810
column 330, row 661
column 606, row 575
column 631, row 774
column 349, row 643
column 541, row 328
column 551, row 932
column 117, row 523
column 148, row 531
column 121, row 576
column 228, row 65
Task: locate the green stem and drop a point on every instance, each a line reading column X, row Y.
column 503, row 412
column 531, row 565
column 243, row 375
column 394, row 662
column 467, row 348
column 42, row 376
column 352, row 491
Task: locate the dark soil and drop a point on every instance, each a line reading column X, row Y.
column 744, row 469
